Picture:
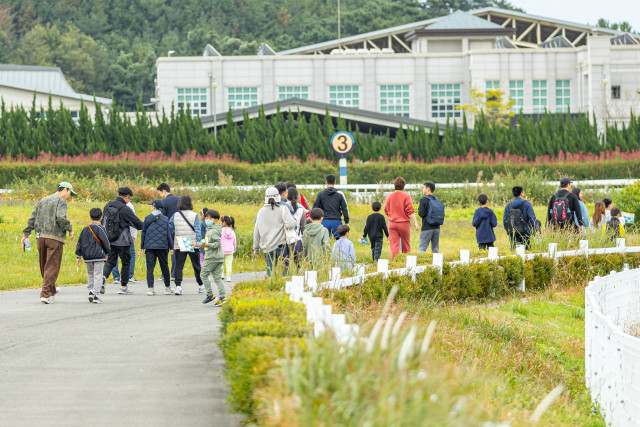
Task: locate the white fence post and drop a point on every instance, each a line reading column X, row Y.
column 412, row 261
column 311, row 277
column 620, row 242
column 335, row 278
column 438, row 261
column 584, row 247
column 520, row 251
column 493, row 253
column 383, row 266
column 465, row 256
column 553, row 250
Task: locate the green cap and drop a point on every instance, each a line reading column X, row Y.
column 69, row 186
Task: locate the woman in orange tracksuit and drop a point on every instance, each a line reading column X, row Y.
column 400, row 212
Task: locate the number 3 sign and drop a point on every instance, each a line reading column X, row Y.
column 342, row 143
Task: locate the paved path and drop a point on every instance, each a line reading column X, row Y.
column 134, row 360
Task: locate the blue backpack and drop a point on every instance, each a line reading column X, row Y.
column 435, row 216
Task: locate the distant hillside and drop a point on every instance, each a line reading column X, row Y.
column 109, row 47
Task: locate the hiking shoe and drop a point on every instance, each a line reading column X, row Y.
column 219, row 302
column 208, row 299
column 125, row 291
column 178, row 290
column 104, row 282
column 53, row 297
column 96, row 300
column 46, row 300
column 201, row 289
column 151, row 292
column 228, row 278
column 168, row 291
column 133, row 280
column 92, row 296
column 102, row 289
column 116, row 282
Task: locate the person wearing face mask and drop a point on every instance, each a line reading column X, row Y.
column 213, row 258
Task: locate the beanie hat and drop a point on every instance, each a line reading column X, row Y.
column 271, row 193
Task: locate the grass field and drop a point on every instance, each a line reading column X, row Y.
column 23, row 272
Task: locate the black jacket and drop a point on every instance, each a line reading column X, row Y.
column 574, row 205
column 156, row 233
column 127, row 217
column 91, row 249
column 375, row 226
column 333, row 204
column 423, row 210
column 169, row 205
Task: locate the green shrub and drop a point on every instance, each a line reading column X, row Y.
column 264, row 307
column 261, row 328
column 539, row 273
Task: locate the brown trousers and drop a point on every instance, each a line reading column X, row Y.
column 50, row 252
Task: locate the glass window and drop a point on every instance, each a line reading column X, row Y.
column 539, row 96
column 394, row 99
column 445, row 101
column 195, row 99
column 345, row 95
column 286, row 92
column 242, row 97
column 563, row 95
column 516, row 93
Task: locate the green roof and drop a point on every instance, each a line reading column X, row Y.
column 460, row 20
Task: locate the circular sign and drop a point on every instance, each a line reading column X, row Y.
column 342, row 143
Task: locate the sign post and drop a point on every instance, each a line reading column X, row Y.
column 342, row 143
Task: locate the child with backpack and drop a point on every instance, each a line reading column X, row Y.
column 519, row 220
column 614, row 227
column 374, row 228
column 93, row 246
column 431, row 210
column 213, row 258
column 484, row 220
column 229, row 245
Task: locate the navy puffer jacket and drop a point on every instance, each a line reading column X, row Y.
column 155, row 233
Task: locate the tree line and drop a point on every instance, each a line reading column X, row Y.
column 27, row 133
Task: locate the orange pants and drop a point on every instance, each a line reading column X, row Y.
column 399, row 232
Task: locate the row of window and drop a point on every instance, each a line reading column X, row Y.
column 394, row 99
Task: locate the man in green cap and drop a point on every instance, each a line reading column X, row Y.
column 49, row 219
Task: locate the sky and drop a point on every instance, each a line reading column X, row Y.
column 585, row 11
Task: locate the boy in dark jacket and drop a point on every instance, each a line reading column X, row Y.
column 564, row 210
column 156, row 242
column 484, row 220
column 93, row 246
column 375, row 226
column 525, row 221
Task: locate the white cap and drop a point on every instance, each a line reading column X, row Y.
column 271, row 193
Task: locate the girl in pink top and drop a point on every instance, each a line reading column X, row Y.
column 399, row 210
column 228, row 241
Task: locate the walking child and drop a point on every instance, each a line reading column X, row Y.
column 156, row 243
column 374, row 228
column 343, row 250
column 213, row 258
column 614, row 228
column 93, row 246
column 315, row 240
column 228, row 245
column 484, row 220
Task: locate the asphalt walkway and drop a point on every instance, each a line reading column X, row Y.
column 134, row 360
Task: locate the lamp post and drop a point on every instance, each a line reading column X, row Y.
column 214, row 85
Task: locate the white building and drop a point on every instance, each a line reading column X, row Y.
column 423, row 71
column 19, row 83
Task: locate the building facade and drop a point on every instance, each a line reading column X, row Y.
column 424, row 70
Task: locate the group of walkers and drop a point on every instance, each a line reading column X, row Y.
column 172, row 227
column 286, row 229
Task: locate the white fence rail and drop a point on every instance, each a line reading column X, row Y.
column 612, row 357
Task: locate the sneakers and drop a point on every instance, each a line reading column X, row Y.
column 201, row 289
column 208, row 299
column 228, row 278
column 125, row 291
column 116, row 282
column 53, row 297
column 151, row 292
column 168, row 291
column 222, row 277
column 219, row 302
column 46, row 300
column 104, row 282
column 57, row 289
column 133, row 280
column 178, row 290
column 91, row 296
column 96, row 300
column 102, row 289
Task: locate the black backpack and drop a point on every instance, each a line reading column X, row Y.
column 515, row 221
column 561, row 212
column 435, row 216
column 613, row 228
column 111, row 221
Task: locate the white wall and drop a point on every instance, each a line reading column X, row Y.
column 17, row 97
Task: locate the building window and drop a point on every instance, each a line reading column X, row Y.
column 563, row 95
column 490, row 85
column 242, row 97
column 394, row 99
column 345, row 95
column 615, row 92
column 539, row 96
column 193, row 98
column 286, row 92
column 75, row 115
column 516, row 93
column 445, row 101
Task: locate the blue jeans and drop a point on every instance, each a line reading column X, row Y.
column 272, row 259
column 332, row 225
column 132, row 268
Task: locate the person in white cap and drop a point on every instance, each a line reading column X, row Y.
column 49, row 220
column 269, row 230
